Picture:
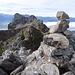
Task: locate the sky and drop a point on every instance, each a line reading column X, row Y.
column 37, row 7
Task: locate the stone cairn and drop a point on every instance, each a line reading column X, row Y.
column 55, row 56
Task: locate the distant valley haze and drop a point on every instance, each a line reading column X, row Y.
column 5, row 19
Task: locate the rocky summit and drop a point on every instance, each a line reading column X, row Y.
column 37, row 50
column 21, row 21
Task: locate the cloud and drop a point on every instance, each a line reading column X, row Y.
column 37, row 7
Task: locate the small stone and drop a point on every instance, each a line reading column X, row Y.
column 62, row 15
column 63, row 25
column 54, row 29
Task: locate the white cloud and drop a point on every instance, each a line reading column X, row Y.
column 37, row 7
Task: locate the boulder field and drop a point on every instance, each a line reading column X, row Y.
column 33, row 51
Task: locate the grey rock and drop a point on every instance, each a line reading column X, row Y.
column 63, row 25
column 33, row 37
column 54, row 29
column 18, row 19
column 6, row 54
column 62, row 57
column 10, row 61
column 14, row 46
column 38, row 24
column 44, row 69
column 18, row 70
column 2, row 72
column 56, row 40
column 71, row 67
column 17, row 44
column 68, row 33
column 29, row 70
column 68, row 52
column 32, row 18
column 23, row 53
column 68, row 73
column 1, row 59
column 49, row 69
column 19, row 41
column 62, row 15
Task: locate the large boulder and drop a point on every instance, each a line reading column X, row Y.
column 56, row 40
column 33, row 37
column 10, row 61
column 44, row 69
column 62, row 15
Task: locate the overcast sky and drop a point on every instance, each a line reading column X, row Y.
column 37, row 7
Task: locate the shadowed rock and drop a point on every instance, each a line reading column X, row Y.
column 2, row 72
column 68, row 73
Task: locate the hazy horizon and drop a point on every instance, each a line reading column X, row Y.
column 48, row 24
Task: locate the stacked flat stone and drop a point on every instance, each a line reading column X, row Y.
column 62, row 24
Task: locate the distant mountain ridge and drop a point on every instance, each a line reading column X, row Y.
column 6, row 18
column 53, row 19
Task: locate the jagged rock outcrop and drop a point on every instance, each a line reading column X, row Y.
column 28, row 37
column 31, row 18
column 38, row 24
column 20, row 21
